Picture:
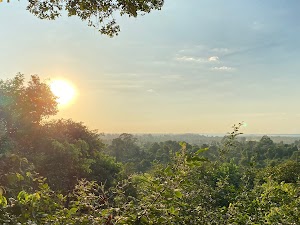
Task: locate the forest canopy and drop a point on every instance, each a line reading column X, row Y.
column 61, row 172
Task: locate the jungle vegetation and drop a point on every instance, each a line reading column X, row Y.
column 61, row 172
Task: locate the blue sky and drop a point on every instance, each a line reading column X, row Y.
column 195, row 66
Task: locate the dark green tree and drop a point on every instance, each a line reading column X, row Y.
column 65, row 151
column 124, row 148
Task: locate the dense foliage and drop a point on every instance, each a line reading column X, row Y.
column 60, row 172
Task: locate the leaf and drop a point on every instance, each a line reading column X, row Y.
column 161, row 220
column 168, row 171
column 143, row 219
column 196, row 159
column 28, row 174
column 173, row 211
column 177, row 193
column 3, row 201
column 182, row 144
column 73, row 211
column 22, row 196
column 37, row 196
column 19, row 177
column 200, row 151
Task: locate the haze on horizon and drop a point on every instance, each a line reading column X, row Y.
column 196, row 67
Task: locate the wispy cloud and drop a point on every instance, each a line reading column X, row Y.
column 223, row 68
column 213, row 59
column 190, row 59
column 151, row 90
column 203, row 54
column 210, row 63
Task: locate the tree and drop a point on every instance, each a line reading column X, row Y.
column 98, row 13
column 68, row 130
column 23, row 107
column 64, row 151
column 124, row 148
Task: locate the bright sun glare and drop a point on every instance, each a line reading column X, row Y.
column 63, row 90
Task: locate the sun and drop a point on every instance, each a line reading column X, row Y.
column 63, row 90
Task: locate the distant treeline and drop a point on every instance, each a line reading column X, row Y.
column 198, row 139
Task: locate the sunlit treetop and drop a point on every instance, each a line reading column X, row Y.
column 98, row 13
column 24, row 104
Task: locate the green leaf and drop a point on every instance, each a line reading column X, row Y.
column 182, row 144
column 196, row 159
column 22, row 195
column 3, row 201
column 19, row 177
column 173, row 211
column 144, row 219
column 73, row 211
column 28, row 174
column 168, row 171
column 177, row 193
column 161, row 220
column 200, row 151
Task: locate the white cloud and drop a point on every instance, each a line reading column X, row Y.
column 223, row 68
column 213, row 59
column 190, row 59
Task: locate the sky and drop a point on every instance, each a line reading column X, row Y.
column 193, row 67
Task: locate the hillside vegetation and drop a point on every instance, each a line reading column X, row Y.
column 61, row 172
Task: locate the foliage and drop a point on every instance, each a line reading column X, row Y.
column 59, row 172
column 168, row 195
column 99, row 14
column 87, row 204
column 61, row 151
column 17, row 174
column 22, row 108
column 269, row 203
column 68, row 148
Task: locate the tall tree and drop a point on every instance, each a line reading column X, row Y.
column 23, row 106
